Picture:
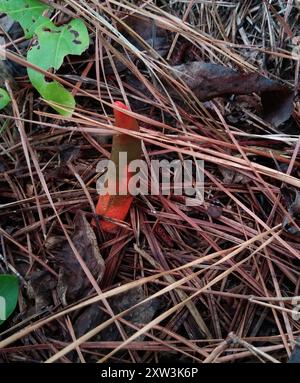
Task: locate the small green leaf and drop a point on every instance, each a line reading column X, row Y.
column 9, row 291
column 29, row 13
column 4, row 98
column 54, row 43
column 57, row 42
column 55, row 92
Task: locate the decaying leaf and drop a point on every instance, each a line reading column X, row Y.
column 68, row 152
column 214, row 211
column 233, row 177
column 208, row 80
column 93, row 315
column 6, row 74
column 147, row 30
column 40, row 288
column 73, row 282
column 294, row 213
column 139, row 30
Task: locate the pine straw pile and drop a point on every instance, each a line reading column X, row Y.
column 212, row 283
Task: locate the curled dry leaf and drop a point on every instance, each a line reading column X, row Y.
column 5, row 74
column 233, row 177
column 147, row 30
column 40, row 288
column 73, row 283
column 208, row 80
column 294, row 213
column 214, row 211
column 69, row 152
column 93, row 315
column 139, row 30
column 164, row 236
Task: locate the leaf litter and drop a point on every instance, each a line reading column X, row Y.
column 209, row 81
column 72, row 282
column 211, row 283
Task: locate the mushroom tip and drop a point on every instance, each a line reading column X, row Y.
column 120, row 104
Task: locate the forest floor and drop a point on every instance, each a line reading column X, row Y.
column 216, row 81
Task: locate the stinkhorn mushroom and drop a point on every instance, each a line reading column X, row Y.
column 117, row 206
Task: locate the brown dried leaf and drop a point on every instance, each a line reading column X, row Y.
column 149, row 31
column 40, row 288
column 294, row 212
column 93, row 315
column 73, row 282
column 214, row 211
column 233, row 177
column 208, row 80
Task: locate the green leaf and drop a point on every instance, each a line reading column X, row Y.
column 54, row 43
column 27, row 12
column 4, row 98
column 57, row 42
column 55, row 92
column 9, row 291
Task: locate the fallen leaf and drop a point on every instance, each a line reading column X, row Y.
column 147, row 30
column 73, row 283
column 40, row 288
column 93, row 315
column 214, row 211
column 141, row 30
column 164, row 236
column 294, row 213
column 69, row 152
column 233, row 177
column 208, row 80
